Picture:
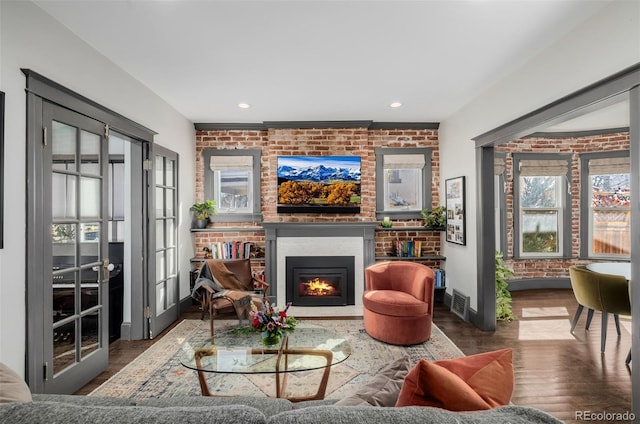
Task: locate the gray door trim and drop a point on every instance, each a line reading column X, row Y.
column 634, row 141
column 135, row 328
column 587, row 99
column 590, row 98
column 43, row 87
column 39, row 89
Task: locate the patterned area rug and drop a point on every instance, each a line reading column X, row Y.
column 157, row 372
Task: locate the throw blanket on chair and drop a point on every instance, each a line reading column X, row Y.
column 216, row 281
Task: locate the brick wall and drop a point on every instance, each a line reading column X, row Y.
column 554, row 268
column 322, row 141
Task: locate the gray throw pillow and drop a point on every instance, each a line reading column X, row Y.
column 383, row 389
column 12, row 386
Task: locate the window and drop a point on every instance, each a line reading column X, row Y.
column 232, row 179
column 541, row 195
column 606, row 204
column 403, row 179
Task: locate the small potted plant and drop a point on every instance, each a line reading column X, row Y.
column 435, row 219
column 202, row 212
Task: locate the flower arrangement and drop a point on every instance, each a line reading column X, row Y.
column 272, row 321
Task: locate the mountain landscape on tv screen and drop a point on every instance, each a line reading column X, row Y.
column 318, row 173
column 318, row 181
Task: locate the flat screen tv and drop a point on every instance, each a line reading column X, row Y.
column 318, row 184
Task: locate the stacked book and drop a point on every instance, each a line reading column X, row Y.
column 409, row 248
column 231, row 250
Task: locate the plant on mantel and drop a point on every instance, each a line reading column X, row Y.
column 435, row 219
column 203, row 211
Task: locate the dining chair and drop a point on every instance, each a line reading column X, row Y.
column 606, row 293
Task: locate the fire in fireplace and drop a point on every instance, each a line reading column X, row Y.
column 320, row 287
column 320, row 280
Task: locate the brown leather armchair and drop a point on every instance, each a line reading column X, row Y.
column 600, row 292
column 227, row 286
column 398, row 302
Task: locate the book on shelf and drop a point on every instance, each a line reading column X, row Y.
column 409, row 248
column 231, row 250
column 440, row 278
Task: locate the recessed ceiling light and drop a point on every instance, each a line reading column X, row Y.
column 244, row 105
column 395, row 104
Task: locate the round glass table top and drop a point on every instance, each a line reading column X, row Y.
column 306, row 348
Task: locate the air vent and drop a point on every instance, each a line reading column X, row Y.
column 460, row 305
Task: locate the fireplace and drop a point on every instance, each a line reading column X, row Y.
column 320, row 280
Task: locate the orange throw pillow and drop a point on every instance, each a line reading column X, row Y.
column 470, row 383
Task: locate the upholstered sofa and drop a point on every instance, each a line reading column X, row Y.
column 397, row 384
column 69, row 409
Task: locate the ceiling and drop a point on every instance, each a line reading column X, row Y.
column 310, row 60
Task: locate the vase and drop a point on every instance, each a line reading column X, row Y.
column 270, row 339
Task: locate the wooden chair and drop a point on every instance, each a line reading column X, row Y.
column 228, row 286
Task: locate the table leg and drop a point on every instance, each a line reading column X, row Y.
column 322, row 387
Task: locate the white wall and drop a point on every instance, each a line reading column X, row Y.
column 605, row 44
column 29, row 38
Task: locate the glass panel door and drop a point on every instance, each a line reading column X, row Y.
column 75, row 344
column 164, row 292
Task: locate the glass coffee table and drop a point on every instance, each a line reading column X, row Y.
column 235, row 352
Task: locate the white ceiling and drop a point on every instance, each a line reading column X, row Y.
column 313, row 60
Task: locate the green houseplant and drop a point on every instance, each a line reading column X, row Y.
column 203, row 211
column 503, row 295
column 435, row 219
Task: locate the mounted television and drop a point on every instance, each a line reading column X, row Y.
column 318, row 184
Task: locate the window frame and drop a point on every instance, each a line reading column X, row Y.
column 426, row 180
column 255, row 215
column 564, row 218
column 500, row 202
column 586, row 228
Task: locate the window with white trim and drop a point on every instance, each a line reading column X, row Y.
column 609, row 210
column 403, row 179
column 542, row 196
column 232, row 179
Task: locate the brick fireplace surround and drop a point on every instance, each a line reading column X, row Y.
column 276, row 233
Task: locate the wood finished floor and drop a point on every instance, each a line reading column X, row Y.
column 555, row 371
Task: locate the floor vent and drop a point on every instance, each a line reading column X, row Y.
column 460, row 305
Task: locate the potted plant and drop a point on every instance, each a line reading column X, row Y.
column 203, row 211
column 435, row 219
column 503, row 295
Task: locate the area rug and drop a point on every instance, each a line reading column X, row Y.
column 157, row 372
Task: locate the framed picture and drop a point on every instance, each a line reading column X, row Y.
column 1, row 168
column 454, row 189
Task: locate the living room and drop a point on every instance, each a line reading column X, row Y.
column 30, row 36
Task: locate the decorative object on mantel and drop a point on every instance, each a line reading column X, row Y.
column 272, row 321
column 386, row 222
column 435, row 219
column 203, row 211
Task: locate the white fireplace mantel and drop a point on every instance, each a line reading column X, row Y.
column 317, row 239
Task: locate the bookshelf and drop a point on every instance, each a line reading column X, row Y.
column 407, row 237
column 388, row 242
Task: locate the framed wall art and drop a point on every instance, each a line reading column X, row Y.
column 456, row 212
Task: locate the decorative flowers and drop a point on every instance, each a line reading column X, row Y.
column 272, row 321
